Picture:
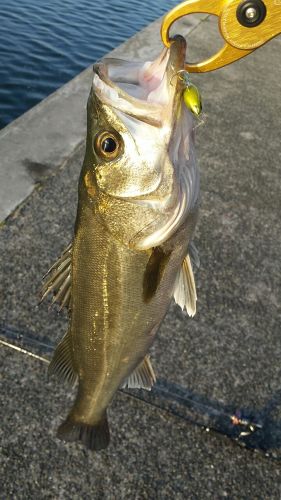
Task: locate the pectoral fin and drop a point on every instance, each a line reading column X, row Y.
column 143, row 377
column 185, row 290
column 153, row 273
column 58, row 280
column 61, row 364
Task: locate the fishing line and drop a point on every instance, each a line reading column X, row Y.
column 23, row 351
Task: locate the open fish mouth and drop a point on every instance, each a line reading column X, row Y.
column 147, row 91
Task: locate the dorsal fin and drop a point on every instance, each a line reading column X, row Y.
column 185, row 290
column 143, row 377
column 58, row 280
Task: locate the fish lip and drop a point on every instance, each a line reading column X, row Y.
column 175, row 63
column 176, row 60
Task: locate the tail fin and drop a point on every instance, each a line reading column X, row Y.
column 95, row 437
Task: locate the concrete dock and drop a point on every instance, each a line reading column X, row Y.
column 179, row 441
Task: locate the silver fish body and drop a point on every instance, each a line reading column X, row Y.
column 137, row 210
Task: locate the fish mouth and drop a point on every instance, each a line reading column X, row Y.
column 148, row 91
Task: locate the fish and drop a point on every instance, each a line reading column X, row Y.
column 132, row 249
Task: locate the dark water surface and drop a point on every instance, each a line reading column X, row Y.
column 43, row 44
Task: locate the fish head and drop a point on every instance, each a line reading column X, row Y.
column 134, row 112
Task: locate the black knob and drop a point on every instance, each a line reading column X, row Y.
column 251, row 13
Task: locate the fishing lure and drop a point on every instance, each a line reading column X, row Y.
column 191, row 94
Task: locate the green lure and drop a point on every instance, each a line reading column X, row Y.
column 192, row 99
column 191, row 95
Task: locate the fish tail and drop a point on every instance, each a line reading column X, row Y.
column 95, row 437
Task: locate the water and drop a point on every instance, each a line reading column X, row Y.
column 43, row 44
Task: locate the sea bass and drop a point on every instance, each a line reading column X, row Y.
column 131, row 252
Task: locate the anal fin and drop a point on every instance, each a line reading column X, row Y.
column 61, row 363
column 143, row 377
column 185, row 290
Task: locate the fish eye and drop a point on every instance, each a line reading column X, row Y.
column 108, row 145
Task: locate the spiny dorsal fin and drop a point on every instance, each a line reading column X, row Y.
column 61, row 363
column 58, row 280
column 143, row 377
column 185, row 290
